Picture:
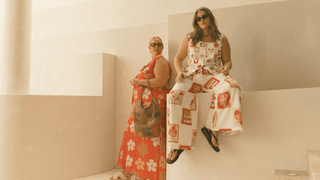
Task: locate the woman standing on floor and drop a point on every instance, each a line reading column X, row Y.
column 144, row 158
column 209, row 63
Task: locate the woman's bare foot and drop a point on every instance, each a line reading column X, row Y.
column 213, row 140
column 172, row 154
column 134, row 177
column 211, row 137
column 121, row 175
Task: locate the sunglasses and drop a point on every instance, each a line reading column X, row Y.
column 203, row 17
column 156, row 44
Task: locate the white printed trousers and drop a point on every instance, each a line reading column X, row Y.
column 182, row 109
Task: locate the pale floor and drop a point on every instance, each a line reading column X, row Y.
column 104, row 176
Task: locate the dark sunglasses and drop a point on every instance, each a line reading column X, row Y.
column 203, row 17
column 156, row 44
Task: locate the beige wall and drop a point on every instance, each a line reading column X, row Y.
column 67, row 75
column 273, row 45
column 279, row 127
column 58, row 137
column 65, row 17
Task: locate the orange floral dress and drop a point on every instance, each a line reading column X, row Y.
column 146, row 157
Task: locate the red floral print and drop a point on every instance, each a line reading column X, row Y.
column 140, row 156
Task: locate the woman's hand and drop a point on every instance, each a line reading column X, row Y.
column 134, row 82
column 181, row 75
column 225, row 70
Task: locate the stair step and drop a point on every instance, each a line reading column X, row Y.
column 104, row 176
column 290, row 175
column 314, row 164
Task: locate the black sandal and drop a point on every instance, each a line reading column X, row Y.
column 208, row 136
column 179, row 151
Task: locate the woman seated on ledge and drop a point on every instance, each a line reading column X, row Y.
column 144, row 158
column 209, row 63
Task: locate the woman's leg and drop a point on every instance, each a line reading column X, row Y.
column 225, row 103
column 182, row 117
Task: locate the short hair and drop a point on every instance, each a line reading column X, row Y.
column 155, row 37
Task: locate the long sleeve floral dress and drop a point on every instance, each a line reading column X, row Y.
column 146, row 157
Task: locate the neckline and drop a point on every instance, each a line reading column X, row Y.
column 208, row 42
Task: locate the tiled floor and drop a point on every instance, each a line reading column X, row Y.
column 103, row 176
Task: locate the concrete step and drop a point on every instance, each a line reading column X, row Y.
column 104, row 176
column 290, row 175
column 314, row 164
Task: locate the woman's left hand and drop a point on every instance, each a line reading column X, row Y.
column 225, row 70
column 134, row 82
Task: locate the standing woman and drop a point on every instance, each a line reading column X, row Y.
column 209, row 63
column 144, row 158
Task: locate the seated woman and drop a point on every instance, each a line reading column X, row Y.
column 144, row 158
column 209, row 63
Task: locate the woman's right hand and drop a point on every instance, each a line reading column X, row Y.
column 181, row 75
column 134, row 82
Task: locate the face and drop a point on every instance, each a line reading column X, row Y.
column 155, row 46
column 203, row 19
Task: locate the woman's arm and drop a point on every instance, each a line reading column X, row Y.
column 180, row 56
column 161, row 72
column 225, row 56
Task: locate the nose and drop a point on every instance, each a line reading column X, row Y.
column 156, row 47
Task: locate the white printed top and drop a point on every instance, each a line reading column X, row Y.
column 204, row 58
